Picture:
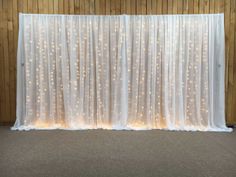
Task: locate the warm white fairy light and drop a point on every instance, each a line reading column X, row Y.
column 97, row 71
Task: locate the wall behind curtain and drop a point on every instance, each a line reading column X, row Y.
column 9, row 10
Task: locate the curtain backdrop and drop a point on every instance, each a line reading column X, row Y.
column 121, row 72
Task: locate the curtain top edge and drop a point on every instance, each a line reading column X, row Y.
column 31, row 14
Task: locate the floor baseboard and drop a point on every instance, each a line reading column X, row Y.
column 6, row 123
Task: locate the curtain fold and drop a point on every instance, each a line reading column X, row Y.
column 121, row 72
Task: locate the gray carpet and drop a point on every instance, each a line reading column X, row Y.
column 105, row 153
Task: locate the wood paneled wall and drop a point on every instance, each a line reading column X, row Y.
column 9, row 10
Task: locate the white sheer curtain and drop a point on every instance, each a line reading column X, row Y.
column 121, row 72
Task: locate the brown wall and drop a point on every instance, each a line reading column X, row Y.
column 9, row 10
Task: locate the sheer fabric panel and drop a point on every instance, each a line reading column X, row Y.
column 121, row 72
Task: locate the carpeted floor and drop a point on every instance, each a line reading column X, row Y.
column 105, row 153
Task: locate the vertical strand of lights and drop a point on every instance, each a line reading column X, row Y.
column 165, row 62
column 82, row 50
column 59, row 94
column 92, row 76
column 101, row 72
column 197, row 68
column 74, row 68
column 175, row 32
column 41, row 70
column 33, row 55
column 106, row 73
column 187, row 46
column 136, row 54
column 149, row 72
column 65, row 70
column 129, row 45
column 53, row 69
column 88, row 58
column 153, row 49
column 48, row 73
column 113, row 53
column 119, row 61
column 98, row 46
column 158, row 70
column 191, row 80
column 180, row 75
column 27, row 70
column 205, row 72
column 141, row 93
column 37, row 62
column 175, row 85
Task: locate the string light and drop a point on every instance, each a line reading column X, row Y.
column 96, row 71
